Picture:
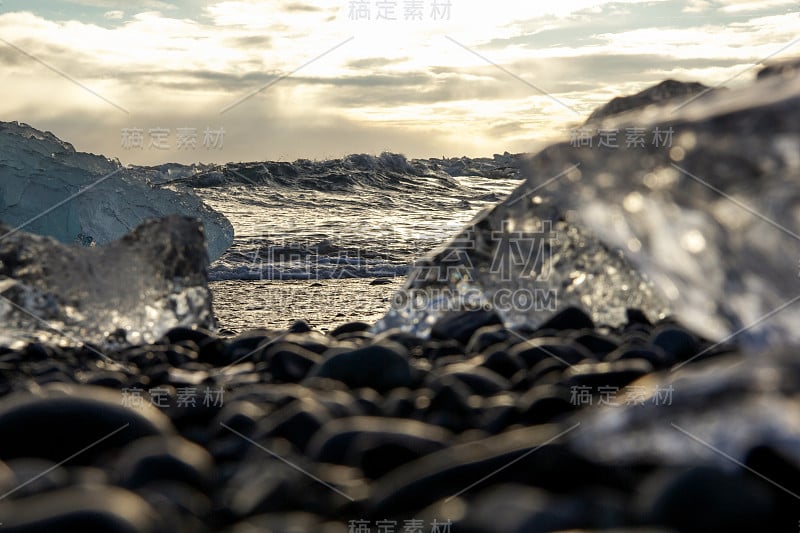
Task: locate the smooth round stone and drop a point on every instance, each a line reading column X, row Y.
column 297, row 522
column 636, row 316
column 148, row 356
column 111, row 380
column 245, row 345
column 448, row 360
column 462, row 325
column 449, row 407
column 357, row 338
column 80, row 508
column 381, row 366
column 434, row 350
column 197, row 335
column 411, row 342
column 369, row 401
column 241, row 416
column 545, row 403
column 498, row 413
column 75, row 417
column 180, row 506
column 569, row 318
column 297, row 422
column 344, row 441
column 781, row 465
column 538, row 349
column 299, row 326
column 445, row 473
column 8, row 480
column 503, row 363
column 312, row 341
column 487, row 336
column 290, row 363
column 33, row 476
column 340, row 403
column 399, row 403
column 613, row 374
column 516, row 508
column 350, row 327
column 163, row 458
column 480, row 380
column 263, row 483
column 38, row 352
column 546, row 371
column 704, row 498
column 676, row 342
column 653, row 354
column 212, row 351
column 179, row 355
column 599, row 345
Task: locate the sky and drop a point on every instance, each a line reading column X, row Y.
column 254, row 80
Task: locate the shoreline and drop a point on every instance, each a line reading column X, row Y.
column 242, row 305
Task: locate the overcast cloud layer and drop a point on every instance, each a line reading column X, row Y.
column 473, row 79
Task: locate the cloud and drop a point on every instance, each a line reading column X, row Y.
column 123, row 4
column 398, row 85
column 114, row 15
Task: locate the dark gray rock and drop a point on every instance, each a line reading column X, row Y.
column 703, row 499
column 448, row 472
column 74, row 417
column 379, row 366
column 615, row 374
column 81, row 508
column 163, row 458
column 376, row 445
column 462, row 325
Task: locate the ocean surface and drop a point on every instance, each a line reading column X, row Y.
column 312, row 238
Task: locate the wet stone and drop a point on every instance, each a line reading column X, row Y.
column 487, row 336
column 600, row 346
column 350, row 327
column 569, row 318
column 533, row 351
column 545, row 403
column 654, row 355
column 74, row 417
column 703, row 499
column 677, row 343
column 159, row 458
column 503, row 363
column 480, row 380
column 81, row 508
column 462, row 325
column 614, row 374
column 345, row 441
column 288, row 362
column 379, row 366
column 297, row 422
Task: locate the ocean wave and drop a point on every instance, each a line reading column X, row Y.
column 387, row 171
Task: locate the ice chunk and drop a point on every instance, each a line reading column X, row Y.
column 142, row 285
column 702, row 197
column 525, row 264
column 47, row 187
